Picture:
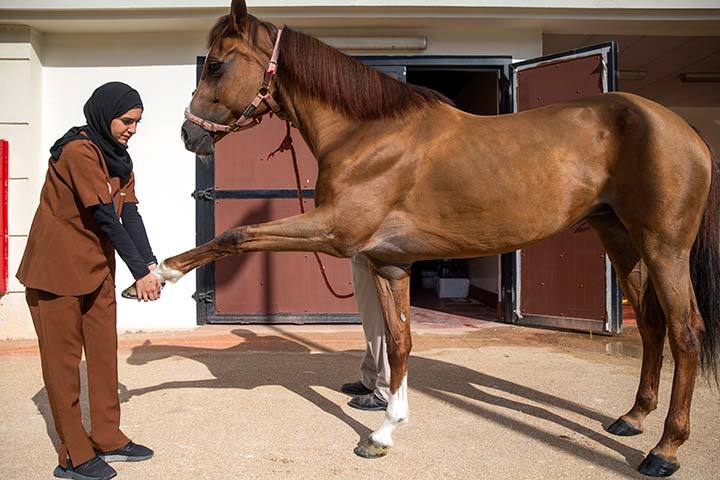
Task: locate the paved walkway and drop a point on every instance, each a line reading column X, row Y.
column 487, row 401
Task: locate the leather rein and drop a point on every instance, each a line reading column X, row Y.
column 246, row 121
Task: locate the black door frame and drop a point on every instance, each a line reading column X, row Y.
column 205, row 194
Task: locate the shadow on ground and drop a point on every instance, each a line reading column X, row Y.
column 277, row 360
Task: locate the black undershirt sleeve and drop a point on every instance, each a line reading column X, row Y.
column 133, row 223
column 108, row 221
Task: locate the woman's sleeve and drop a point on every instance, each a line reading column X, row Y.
column 108, row 222
column 133, row 223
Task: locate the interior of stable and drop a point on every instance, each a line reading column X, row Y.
column 475, row 91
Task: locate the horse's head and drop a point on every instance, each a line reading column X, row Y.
column 234, row 71
column 147, row 352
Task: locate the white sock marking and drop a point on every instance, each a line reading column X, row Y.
column 166, row 274
column 397, row 413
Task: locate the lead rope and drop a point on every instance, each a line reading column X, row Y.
column 287, row 144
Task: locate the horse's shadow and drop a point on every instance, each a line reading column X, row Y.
column 297, row 369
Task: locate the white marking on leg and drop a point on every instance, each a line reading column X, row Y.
column 167, row 274
column 397, row 413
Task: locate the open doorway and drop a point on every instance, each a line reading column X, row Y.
column 466, row 287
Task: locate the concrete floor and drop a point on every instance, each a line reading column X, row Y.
column 487, row 401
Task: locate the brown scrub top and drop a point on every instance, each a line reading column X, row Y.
column 66, row 252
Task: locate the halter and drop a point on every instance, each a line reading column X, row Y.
column 246, row 120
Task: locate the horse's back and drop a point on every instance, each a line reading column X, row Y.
column 507, row 181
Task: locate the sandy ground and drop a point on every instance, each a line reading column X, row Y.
column 487, row 401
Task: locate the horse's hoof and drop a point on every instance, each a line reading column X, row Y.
column 623, row 428
column 129, row 293
column 656, row 466
column 371, row 449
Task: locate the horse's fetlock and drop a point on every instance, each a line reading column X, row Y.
column 647, row 401
column 677, row 429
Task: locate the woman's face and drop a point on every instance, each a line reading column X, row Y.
column 124, row 127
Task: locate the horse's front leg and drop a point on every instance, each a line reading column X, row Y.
column 309, row 232
column 393, row 286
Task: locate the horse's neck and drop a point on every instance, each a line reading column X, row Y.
column 321, row 126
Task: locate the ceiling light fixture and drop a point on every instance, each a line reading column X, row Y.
column 377, row 43
column 700, row 77
column 633, row 74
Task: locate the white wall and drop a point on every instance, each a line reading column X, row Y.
column 61, row 71
column 20, row 119
column 165, row 171
column 46, row 78
column 156, row 4
column 163, row 71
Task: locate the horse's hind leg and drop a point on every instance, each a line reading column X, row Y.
column 633, row 276
column 393, row 287
column 670, row 272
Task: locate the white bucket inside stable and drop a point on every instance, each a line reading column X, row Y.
column 452, row 287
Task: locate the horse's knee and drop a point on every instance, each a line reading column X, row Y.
column 231, row 239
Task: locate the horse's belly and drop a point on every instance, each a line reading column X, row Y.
column 466, row 224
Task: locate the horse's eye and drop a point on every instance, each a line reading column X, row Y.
column 214, row 67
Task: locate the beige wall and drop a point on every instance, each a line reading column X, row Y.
column 152, row 45
column 20, row 124
column 58, row 73
column 155, row 4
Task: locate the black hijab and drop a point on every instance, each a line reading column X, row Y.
column 107, row 102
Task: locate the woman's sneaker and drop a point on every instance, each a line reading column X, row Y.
column 132, row 452
column 93, row 469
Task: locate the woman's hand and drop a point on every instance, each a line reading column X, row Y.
column 148, row 288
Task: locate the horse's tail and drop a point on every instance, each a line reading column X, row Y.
column 705, row 271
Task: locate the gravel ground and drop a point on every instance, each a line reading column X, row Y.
column 486, row 401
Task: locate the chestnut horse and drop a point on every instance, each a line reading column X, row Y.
column 404, row 176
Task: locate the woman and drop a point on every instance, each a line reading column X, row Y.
column 68, row 270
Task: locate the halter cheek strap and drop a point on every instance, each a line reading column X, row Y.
column 247, row 120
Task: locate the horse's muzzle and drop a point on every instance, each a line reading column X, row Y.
column 196, row 139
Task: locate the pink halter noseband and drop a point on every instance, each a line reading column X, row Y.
column 246, row 120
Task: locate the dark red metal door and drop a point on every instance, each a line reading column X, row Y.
column 249, row 188
column 566, row 281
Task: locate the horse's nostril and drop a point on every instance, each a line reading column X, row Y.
column 184, row 134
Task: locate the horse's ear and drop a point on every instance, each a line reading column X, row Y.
column 238, row 14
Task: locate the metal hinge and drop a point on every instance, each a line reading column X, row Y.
column 204, row 297
column 207, row 194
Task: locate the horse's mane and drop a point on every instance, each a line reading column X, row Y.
column 310, row 67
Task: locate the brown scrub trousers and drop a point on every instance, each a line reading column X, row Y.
column 68, row 271
column 64, row 325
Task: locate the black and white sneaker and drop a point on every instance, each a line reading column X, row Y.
column 355, row 389
column 131, row 452
column 93, row 469
column 370, row 402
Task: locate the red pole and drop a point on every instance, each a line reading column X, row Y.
column 4, row 147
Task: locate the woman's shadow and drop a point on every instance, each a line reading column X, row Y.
column 42, row 403
column 278, row 360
